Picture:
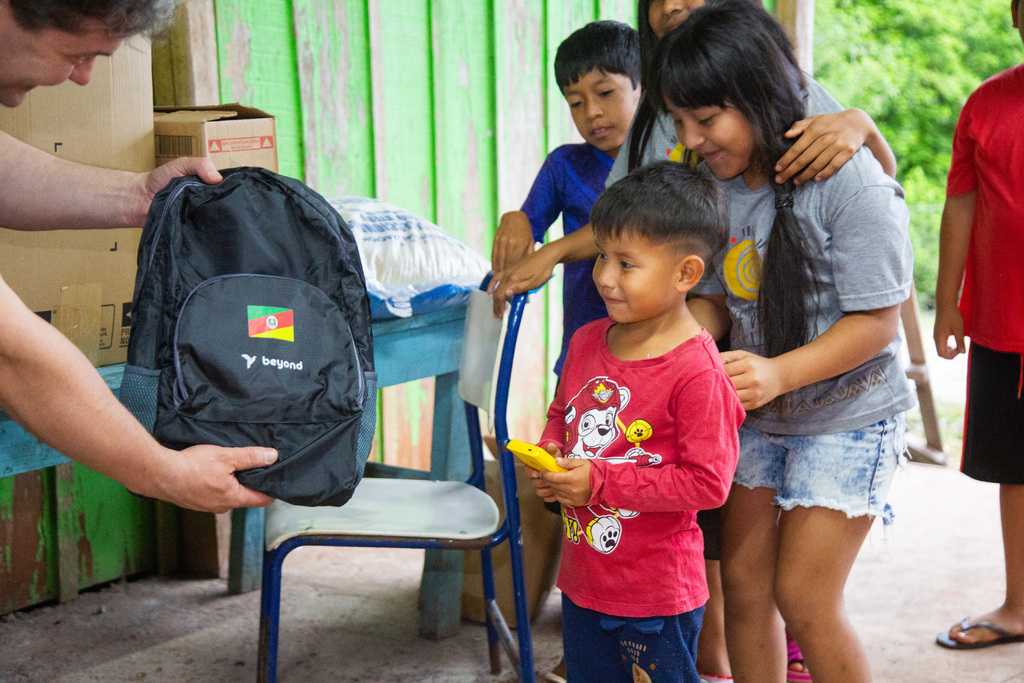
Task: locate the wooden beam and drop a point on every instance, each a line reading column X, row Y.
column 185, row 57
column 797, row 16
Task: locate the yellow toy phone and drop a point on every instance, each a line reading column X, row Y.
column 534, row 456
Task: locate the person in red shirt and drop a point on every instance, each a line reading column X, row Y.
column 645, row 420
column 981, row 245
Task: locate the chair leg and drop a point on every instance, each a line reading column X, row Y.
column 270, row 614
column 515, row 543
column 493, row 646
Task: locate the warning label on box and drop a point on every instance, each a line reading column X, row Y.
column 249, row 144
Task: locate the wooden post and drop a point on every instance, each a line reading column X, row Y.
column 797, row 16
column 930, row 450
column 185, row 57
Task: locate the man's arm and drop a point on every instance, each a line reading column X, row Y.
column 954, row 240
column 39, row 191
column 50, row 389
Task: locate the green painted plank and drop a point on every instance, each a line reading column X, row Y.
column 333, row 55
column 256, row 49
column 521, row 102
column 400, row 52
column 27, row 541
column 464, row 121
column 620, row 10
column 116, row 531
column 403, row 119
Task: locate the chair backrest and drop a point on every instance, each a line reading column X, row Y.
column 481, row 341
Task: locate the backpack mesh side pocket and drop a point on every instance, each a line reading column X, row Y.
column 138, row 394
column 368, row 421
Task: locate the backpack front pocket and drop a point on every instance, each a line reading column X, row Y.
column 265, row 350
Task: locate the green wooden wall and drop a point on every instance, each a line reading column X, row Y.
column 444, row 107
column 62, row 530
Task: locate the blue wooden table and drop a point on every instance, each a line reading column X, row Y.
column 404, row 349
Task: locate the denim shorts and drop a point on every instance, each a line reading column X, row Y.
column 848, row 471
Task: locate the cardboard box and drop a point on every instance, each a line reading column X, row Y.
column 229, row 134
column 84, row 279
column 542, row 546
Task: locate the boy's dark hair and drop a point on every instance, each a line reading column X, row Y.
column 119, row 17
column 731, row 53
column 608, row 46
column 665, row 203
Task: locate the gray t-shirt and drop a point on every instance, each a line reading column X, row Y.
column 856, row 228
column 663, row 141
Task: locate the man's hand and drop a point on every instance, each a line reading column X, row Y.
column 148, row 184
column 202, row 477
column 512, row 241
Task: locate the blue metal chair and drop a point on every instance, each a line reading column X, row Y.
column 415, row 513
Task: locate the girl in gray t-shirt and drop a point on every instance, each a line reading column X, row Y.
column 810, row 287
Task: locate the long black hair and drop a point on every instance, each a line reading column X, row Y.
column 646, row 111
column 733, row 54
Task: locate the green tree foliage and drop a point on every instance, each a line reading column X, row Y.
column 911, row 64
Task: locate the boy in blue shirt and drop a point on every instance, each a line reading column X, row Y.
column 598, row 70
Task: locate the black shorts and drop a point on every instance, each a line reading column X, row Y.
column 710, row 523
column 994, row 425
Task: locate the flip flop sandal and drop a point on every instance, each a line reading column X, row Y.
column 793, row 654
column 1004, row 636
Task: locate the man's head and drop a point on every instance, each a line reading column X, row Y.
column 46, row 42
column 598, row 70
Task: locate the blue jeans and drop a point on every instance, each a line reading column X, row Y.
column 600, row 648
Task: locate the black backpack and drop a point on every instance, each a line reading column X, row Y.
column 251, row 327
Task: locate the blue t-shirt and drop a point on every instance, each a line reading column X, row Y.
column 569, row 183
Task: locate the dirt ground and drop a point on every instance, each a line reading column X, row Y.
column 350, row 614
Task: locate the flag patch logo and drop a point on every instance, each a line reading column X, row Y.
column 268, row 322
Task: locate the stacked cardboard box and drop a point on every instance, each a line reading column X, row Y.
column 83, row 279
column 229, row 134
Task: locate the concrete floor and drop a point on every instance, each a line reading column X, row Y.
column 350, row 615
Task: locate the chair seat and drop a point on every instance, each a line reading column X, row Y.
column 391, row 508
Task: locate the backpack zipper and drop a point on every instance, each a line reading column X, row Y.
column 163, row 215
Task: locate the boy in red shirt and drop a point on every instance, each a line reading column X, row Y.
column 645, row 421
column 983, row 234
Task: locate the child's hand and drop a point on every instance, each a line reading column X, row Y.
column 541, row 487
column 824, row 143
column 757, row 379
column 512, row 241
column 533, row 271
column 949, row 323
column 568, row 488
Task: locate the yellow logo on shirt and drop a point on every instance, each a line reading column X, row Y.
column 743, row 270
